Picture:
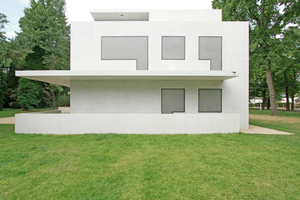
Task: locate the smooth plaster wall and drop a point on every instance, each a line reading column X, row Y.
column 127, row 123
column 86, row 42
column 132, row 97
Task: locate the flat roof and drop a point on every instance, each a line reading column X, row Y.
column 157, row 15
column 120, row 16
column 64, row 77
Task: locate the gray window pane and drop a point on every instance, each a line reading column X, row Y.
column 210, row 100
column 126, row 48
column 210, row 48
column 172, row 100
column 173, row 47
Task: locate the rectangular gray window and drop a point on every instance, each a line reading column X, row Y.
column 173, row 48
column 172, row 100
column 210, row 48
column 210, row 100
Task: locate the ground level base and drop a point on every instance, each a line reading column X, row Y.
column 127, row 123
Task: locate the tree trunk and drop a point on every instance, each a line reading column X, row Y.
column 272, row 93
column 268, row 104
column 264, row 100
column 287, row 99
column 292, row 107
column 53, row 98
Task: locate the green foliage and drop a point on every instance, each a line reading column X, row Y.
column 3, row 87
column 3, row 21
column 288, row 73
column 63, row 100
column 4, row 62
column 45, row 26
column 45, row 37
column 34, row 60
column 29, row 93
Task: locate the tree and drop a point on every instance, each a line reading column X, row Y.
column 267, row 20
column 46, row 38
column 28, row 93
column 291, row 63
column 4, row 62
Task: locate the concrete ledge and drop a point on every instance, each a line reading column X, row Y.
column 127, row 123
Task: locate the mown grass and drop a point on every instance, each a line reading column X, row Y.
column 10, row 112
column 285, row 121
column 282, row 113
column 111, row 166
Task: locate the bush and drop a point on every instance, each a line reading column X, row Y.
column 14, row 104
column 29, row 93
column 63, row 100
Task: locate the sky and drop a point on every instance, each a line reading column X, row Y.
column 78, row 10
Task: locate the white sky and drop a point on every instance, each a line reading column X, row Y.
column 79, row 10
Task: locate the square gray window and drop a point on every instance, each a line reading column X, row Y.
column 210, row 100
column 173, row 48
column 172, row 100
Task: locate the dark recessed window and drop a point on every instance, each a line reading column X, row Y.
column 210, row 48
column 210, row 100
column 172, row 100
column 126, row 48
column 173, row 48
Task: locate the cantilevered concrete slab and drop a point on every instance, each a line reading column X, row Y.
column 63, row 77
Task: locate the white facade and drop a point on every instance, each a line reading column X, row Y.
column 127, row 66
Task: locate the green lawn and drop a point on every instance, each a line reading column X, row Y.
column 286, row 121
column 10, row 112
column 281, row 113
column 111, row 166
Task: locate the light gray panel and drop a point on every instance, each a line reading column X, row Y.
column 210, row 100
column 126, row 48
column 210, row 48
column 173, row 48
column 172, row 100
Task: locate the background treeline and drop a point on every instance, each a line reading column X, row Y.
column 42, row 44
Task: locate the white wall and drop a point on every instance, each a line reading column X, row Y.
column 126, row 123
column 86, row 43
column 132, row 97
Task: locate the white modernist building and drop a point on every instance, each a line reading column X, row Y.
column 150, row 72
